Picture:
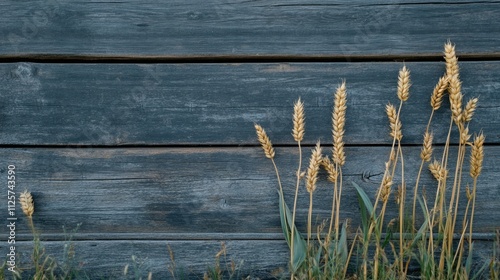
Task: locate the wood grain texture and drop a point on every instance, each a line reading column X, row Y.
column 217, row 104
column 186, row 28
column 185, row 193
column 254, row 258
column 107, row 259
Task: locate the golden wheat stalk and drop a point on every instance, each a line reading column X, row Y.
column 426, row 152
column 451, row 59
column 328, row 165
column 338, row 122
column 477, row 155
column 455, row 89
column 394, row 122
column 464, row 136
column 298, row 121
column 470, row 107
column 438, row 93
column 476, row 165
column 27, row 205
column 455, row 85
column 312, row 171
column 267, row 146
column 264, row 140
column 425, row 156
column 298, row 135
column 385, row 189
column 311, row 178
column 438, row 171
column 404, row 84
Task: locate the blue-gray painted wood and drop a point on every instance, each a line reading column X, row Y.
column 183, row 192
column 256, row 259
column 226, row 27
column 217, row 104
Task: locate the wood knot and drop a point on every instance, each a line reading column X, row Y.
column 370, row 177
column 23, row 71
column 223, row 203
column 194, row 15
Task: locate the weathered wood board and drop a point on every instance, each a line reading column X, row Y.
column 256, row 28
column 135, row 120
column 259, row 259
column 217, row 104
column 185, row 193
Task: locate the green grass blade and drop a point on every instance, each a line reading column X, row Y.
column 423, row 228
column 365, row 204
column 299, row 244
column 468, row 262
column 342, row 246
column 284, row 223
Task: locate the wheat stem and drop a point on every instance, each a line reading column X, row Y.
column 295, row 207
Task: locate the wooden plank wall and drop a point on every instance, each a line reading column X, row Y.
column 135, row 119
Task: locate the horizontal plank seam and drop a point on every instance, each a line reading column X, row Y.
column 268, row 58
column 255, row 145
column 202, row 237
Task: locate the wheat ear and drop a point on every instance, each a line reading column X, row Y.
column 476, row 164
column 438, row 93
column 27, row 205
column 312, row 171
column 477, row 155
column 328, row 165
column 264, row 140
column 311, row 178
column 451, row 59
column 298, row 121
column 395, row 124
column 438, row 171
column 455, row 85
column 426, row 152
column 338, row 122
column 470, row 107
column 404, row 84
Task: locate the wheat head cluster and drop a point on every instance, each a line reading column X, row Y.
column 431, row 242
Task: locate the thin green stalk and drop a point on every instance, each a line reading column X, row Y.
column 309, row 219
column 472, row 211
column 330, row 228
column 337, row 218
column 309, row 230
column 277, row 175
column 295, row 209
